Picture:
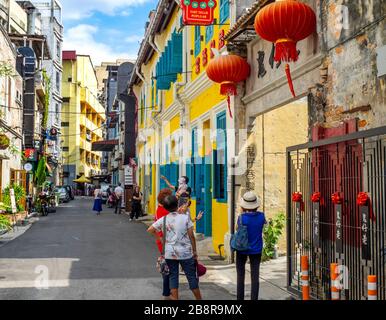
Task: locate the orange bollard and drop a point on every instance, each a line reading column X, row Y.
column 335, row 294
column 372, row 288
column 305, row 277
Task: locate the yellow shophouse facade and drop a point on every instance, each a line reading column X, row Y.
column 83, row 117
column 183, row 122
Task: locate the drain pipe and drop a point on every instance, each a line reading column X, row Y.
column 179, row 99
column 153, row 44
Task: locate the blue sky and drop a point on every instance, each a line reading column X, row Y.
column 105, row 29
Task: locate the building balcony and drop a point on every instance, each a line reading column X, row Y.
column 40, row 85
column 87, row 97
column 85, row 145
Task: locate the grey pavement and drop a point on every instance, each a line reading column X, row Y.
column 74, row 254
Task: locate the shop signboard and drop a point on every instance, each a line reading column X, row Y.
column 199, row 13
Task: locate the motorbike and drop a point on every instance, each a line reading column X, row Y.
column 44, row 203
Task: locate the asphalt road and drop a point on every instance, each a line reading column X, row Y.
column 74, row 254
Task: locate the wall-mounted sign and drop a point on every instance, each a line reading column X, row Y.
column 28, row 167
column 198, row 12
column 30, row 154
column 338, row 229
column 13, row 200
column 365, row 234
column 37, row 144
column 129, row 176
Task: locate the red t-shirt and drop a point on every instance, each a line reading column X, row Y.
column 161, row 212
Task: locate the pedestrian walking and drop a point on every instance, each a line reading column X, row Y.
column 253, row 222
column 180, row 247
column 136, row 204
column 119, row 196
column 160, row 214
column 97, row 200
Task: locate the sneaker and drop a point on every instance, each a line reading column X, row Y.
column 131, row 219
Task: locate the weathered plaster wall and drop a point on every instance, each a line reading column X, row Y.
column 353, row 89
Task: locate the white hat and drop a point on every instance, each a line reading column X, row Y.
column 250, row 201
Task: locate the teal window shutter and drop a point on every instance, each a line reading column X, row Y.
column 209, row 33
column 224, row 10
column 177, row 52
column 220, row 159
column 197, row 40
column 170, row 63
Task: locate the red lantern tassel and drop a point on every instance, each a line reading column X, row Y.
column 229, row 106
column 228, row 89
column 289, row 78
column 371, row 211
column 286, row 51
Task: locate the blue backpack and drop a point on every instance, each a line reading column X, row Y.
column 239, row 240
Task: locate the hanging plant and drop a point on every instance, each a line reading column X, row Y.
column 40, row 174
column 47, row 81
column 4, row 141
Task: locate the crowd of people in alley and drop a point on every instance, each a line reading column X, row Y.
column 173, row 229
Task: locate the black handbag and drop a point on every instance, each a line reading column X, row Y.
column 162, row 265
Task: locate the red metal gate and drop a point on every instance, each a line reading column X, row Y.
column 344, row 163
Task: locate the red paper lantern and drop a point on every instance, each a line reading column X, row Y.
column 297, row 197
column 228, row 70
column 316, row 197
column 336, row 198
column 363, row 199
column 285, row 22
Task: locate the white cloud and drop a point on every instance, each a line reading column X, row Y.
column 82, row 39
column 133, row 38
column 75, row 9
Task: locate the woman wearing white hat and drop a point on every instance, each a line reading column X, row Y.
column 254, row 221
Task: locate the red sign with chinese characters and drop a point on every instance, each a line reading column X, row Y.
column 198, row 12
column 29, row 154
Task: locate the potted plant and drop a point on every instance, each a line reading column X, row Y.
column 272, row 232
column 5, row 224
column 4, row 141
column 19, row 198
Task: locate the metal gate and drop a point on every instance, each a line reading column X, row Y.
column 331, row 232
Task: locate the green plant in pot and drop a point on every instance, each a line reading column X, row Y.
column 5, row 224
column 272, row 233
column 4, row 141
column 19, row 197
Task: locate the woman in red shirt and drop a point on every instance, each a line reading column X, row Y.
column 160, row 213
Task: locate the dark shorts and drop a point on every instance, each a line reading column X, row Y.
column 190, row 268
